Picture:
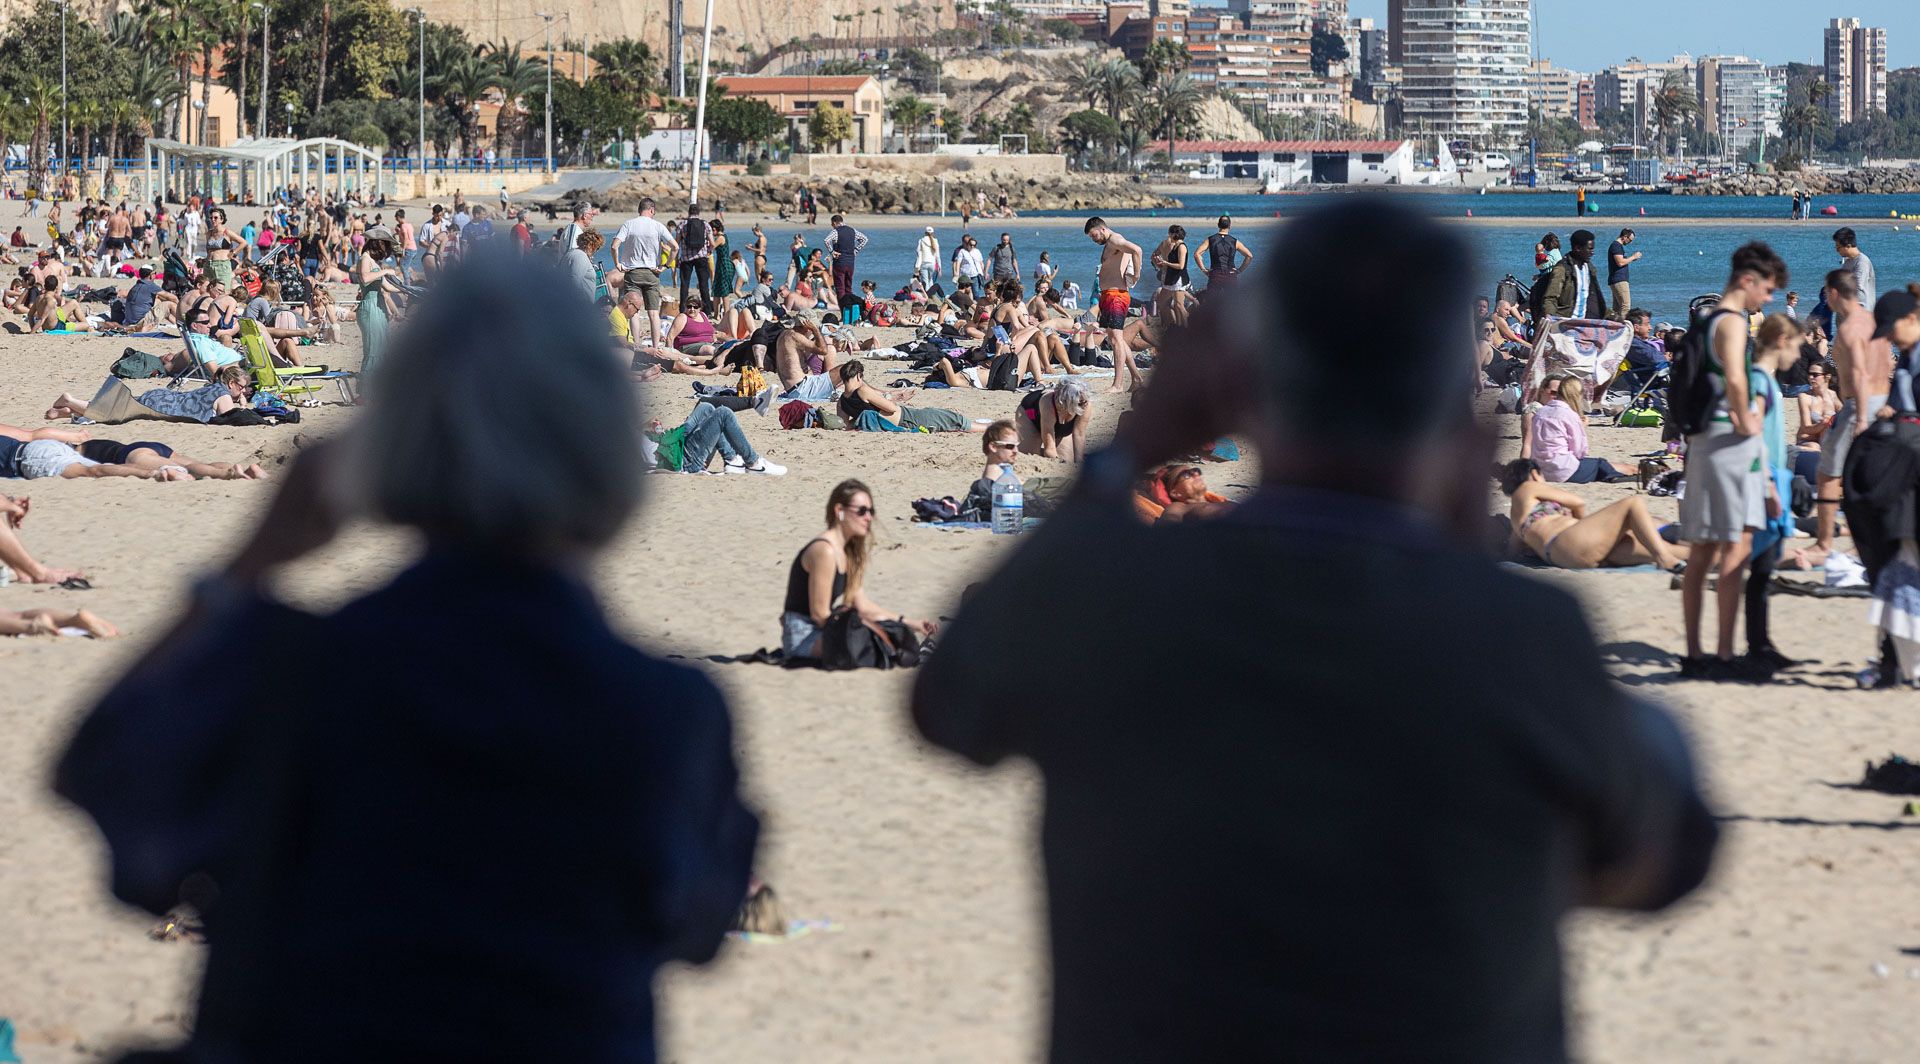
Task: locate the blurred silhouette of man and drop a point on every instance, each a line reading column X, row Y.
column 1358, row 842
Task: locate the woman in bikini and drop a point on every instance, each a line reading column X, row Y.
column 1554, row 525
column 829, row 575
column 221, row 245
column 1052, row 422
column 758, row 248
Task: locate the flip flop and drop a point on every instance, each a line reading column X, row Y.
column 76, row 583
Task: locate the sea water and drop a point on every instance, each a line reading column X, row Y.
column 1679, row 261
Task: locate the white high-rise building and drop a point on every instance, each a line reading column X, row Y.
column 1464, row 68
column 1747, row 100
column 1856, row 62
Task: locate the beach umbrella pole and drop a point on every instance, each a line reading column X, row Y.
column 700, row 108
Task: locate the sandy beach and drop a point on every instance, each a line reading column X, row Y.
column 1804, row 946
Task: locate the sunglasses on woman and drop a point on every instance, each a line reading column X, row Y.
column 860, row 511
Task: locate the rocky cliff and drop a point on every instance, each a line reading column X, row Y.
column 756, row 24
column 886, row 194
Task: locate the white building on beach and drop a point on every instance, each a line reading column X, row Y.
column 1299, row 163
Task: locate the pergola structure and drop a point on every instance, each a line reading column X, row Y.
column 259, row 165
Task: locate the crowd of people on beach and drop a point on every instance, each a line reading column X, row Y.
column 1367, row 508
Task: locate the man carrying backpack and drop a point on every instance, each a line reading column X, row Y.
column 694, row 248
column 1726, row 498
column 1573, row 286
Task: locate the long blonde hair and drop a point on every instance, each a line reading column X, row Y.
column 1573, row 392
column 856, row 549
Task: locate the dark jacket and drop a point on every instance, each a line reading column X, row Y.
column 470, row 824
column 1562, row 289
column 1247, row 820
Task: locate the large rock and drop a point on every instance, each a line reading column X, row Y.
column 1882, row 180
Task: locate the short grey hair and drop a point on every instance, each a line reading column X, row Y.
column 496, row 421
column 1071, row 397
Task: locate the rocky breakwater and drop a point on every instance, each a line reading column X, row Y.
column 887, row 193
column 1882, row 180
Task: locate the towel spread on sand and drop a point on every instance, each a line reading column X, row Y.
column 795, row 929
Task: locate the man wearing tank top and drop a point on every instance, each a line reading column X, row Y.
column 1222, row 247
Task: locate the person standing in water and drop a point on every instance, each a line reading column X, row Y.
column 1119, row 268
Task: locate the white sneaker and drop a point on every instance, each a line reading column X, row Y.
column 734, row 466
column 767, row 468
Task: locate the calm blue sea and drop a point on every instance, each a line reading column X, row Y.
column 1680, row 261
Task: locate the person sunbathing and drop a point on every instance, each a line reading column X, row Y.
column 859, row 398
column 52, row 622
column 1015, row 330
column 228, row 391
column 650, row 360
column 1555, row 436
column 1186, row 488
column 13, row 552
column 692, row 333
column 53, row 312
column 1553, row 523
column 803, row 356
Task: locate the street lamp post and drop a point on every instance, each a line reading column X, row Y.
column 266, row 16
column 700, row 108
column 420, row 147
column 65, row 163
column 549, row 20
column 289, row 121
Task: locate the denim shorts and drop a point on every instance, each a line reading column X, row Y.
column 817, row 388
column 799, row 636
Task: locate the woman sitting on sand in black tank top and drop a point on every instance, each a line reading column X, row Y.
column 829, row 572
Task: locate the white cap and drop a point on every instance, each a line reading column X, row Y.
column 929, row 229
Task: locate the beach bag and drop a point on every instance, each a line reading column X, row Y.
column 1003, row 371
column 882, row 315
column 1690, row 380
column 847, row 642
column 752, row 381
column 138, row 365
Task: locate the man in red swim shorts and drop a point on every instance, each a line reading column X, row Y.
column 1119, row 266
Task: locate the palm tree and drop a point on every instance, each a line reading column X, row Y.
column 41, row 98
column 1135, row 140
column 909, row 113
column 1088, row 80
column 1119, row 83
column 515, row 77
column 84, row 116
column 463, row 83
column 171, row 30
column 1674, row 105
column 1175, row 101
column 627, row 65
column 122, row 115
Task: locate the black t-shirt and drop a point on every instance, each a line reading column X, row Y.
column 1248, row 822
column 1616, row 274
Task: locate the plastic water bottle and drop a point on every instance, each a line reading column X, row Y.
column 1009, row 508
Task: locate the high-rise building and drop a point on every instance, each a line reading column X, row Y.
column 1555, row 91
column 1747, row 101
column 1584, row 110
column 1856, row 62
column 1464, row 68
column 1367, row 50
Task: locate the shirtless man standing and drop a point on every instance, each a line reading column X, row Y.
column 119, row 244
column 1864, row 366
column 142, row 230
column 1119, row 268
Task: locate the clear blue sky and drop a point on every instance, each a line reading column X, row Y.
column 1590, row 36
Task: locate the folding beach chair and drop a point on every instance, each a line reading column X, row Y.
column 300, row 380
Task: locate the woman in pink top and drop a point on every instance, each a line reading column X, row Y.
column 692, row 333
column 1556, row 438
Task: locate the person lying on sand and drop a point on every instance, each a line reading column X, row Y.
column 50, row 622
column 13, row 553
column 227, row 392
column 1553, row 523
column 859, row 397
column 32, row 454
column 1186, row 487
